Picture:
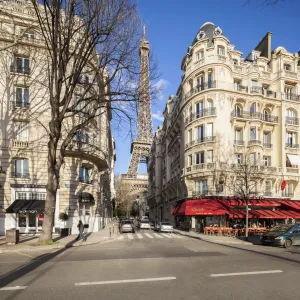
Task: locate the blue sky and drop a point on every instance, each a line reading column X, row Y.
column 173, row 24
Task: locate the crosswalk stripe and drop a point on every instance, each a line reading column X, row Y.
column 166, row 235
column 139, row 236
column 157, row 235
column 148, row 235
column 121, row 237
column 130, row 236
column 177, row 236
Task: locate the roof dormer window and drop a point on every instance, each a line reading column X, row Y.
column 287, row 67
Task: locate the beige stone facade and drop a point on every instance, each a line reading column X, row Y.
column 86, row 179
column 227, row 106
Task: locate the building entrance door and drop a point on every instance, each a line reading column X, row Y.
column 31, row 222
column 27, row 222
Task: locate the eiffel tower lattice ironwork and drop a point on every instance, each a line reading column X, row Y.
column 140, row 147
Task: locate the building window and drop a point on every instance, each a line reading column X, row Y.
column 200, row 83
column 252, row 133
column 287, row 67
column 267, row 161
column 237, row 111
column 21, row 168
column 291, row 139
column 253, row 108
column 266, row 115
column 190, row 135
column 268, row 188
column 288, row 91
column 209, row 130
column 28, row 35
column 84, row 174
column 288, row 191
column 209, row 156
column 201, row 187
column 238, row 158
column 199, row 55
column 221, row 50
column 267, row 139
column 81, row 137
column 291, row 114
column 238, row 135
column 235, row 61
column 209, row 80
column 21, row 131
column 21, row 97
column 190, row 160
column 252, row 159
column 20, row 65
column 210, row 104
column 199, row 158
column 199, row 109
column 200, row 133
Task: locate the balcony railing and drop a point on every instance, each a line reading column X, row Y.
column 200, row 88
column 269, row 118
column 292, row 121
column 267, row 145
column 19, row 70
column 290, row 96
column 268, row 194
column 288, row 195
column 290, row 74
column 256, row 90
column 21, row 104
column 254, row 142
column 241, row 88
column 202, row 166
column 205, row 139
column 291, row 145
column 200, row 114
column 239, row 142
column 271, row 94
column 20, row 175
column 19, row 144
column 254, row 115
column 292, row 170
column 85, row 180
column 200, row 193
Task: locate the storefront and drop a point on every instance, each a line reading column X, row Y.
column 196, row 214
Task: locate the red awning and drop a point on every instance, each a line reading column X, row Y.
column 201, row 207
column 253, row 202
column 291, row 203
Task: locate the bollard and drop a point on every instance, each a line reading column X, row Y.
column 109, row 231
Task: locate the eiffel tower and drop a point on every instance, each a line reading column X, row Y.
column 140, row 147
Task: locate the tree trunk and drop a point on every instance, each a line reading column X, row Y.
column 52, row 186
column 247, row 219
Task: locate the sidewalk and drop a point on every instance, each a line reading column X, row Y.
column 29, row 242
column 252, row 240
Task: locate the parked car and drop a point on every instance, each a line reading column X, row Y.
column 144, row 224
column 164, row 227
column 127, row 226
column 284, row 235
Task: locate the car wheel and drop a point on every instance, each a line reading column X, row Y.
column 288, row 244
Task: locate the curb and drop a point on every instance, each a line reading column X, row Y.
column 36, row 248
column 215, row 242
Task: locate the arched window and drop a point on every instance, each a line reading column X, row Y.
column 221, row 50
column 266, row 115
column 291, row 113
column 253, row 108
column 237, row 111
column 291, row 117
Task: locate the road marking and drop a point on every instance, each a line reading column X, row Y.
column 157, row 235
column 13, row 288
column 149, row 235
column 130, row 236
column 168, row 236
column 125, row 281
column 25, row 254
column 139, row 236
column 121, row 237
column 246, row 273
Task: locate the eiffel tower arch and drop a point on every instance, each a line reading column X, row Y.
column 140, row 147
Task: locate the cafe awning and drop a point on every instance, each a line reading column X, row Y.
column 26, row 206
column 294, row 159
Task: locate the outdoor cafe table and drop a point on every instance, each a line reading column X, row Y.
column 232, row 231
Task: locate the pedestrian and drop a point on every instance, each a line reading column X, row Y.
column 81, row 229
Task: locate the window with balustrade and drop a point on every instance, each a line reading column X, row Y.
column 266, row 161
column 291, row 117
column 291, row 139
column 200, row 54
column 221, row 50
column 237, row 110
column 199, row 158
column 20, row 168
column 84, row 175
column 238, row 136
column 201, row 187
column 21, row 131
column 267, row 143
column 289, row 190
column 289, row 92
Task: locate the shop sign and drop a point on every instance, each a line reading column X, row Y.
column 41, row 217
column 25, row 211
column 31, row 186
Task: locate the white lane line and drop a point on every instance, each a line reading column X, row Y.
column 130, row 236
column 13, row 288
column 157, row 235
column 246, row 273
column 139, row 236
column 125, row 281
column 121, row 237
column 166, row 235
column 148, row 235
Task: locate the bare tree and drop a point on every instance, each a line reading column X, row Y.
column 91, row 47
column 243, row 179
column 124, row 197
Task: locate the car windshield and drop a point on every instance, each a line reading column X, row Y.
column 280, row 228
column 126, row 222
column 165, row 223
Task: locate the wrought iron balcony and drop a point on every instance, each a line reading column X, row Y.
column 19, row 69
column 291, row 145
column 246, row 114
column 202, row 166
column 290, row 96
column 292, row 170
column 241, row 88
column 272, row 94
column 205, row 139
column 85, row 180
column 256, row 90
column 200, row 114
column 20, row 175
column 254, row 142
column 292, row 121
column 239, row 142
column 267, row 145
column 200, row 88
column 269, row 118
column 21, row 104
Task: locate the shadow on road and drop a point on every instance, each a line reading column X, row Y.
column 35, row 263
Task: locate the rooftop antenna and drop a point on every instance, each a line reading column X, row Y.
column 144, row 32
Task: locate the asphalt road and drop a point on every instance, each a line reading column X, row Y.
column 148, row 265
